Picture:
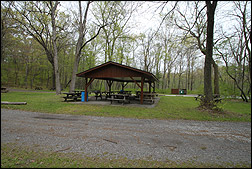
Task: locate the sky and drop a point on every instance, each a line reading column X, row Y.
column 144, row 18
column 147, row 16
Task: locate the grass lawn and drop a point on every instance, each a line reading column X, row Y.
column 14, row 156
column 167, row 108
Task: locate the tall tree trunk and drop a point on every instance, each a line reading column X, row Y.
column 80, row 45
column 56, row 66
column 50, row 58
column 209, row 53
column 82, row 25
column 192, row 79
column 216, row 78
column 188, row 75
column 26, row 75
column 168, row 78
column 163, row 84
column 173, row 81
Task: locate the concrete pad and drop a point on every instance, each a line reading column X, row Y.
column 133, row 103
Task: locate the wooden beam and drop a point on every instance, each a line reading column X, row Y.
column 90, row 81
column 123, row 85
column 135, row 82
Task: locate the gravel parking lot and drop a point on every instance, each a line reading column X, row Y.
column 132, row 138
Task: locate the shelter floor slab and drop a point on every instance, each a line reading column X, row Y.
column 133, row 103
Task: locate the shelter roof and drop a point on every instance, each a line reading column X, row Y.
column 117, row 72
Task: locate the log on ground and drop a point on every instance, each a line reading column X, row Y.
column 13, row 103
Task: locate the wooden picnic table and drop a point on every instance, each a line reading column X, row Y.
column 98, row 93
column 4, row 90
column 108, row 94
column 216, row 97
column 124, row 92
column 147, row 96
column 120, row 97
column 200, row 96
column 72, row 95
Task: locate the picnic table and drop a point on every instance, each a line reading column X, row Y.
column 124, row 92
column 72, row 95
column 200, row 96
column 98, row 93
column 4, row 90
column 108, row 94
column 120, row 97
column 147, row 96
column 216, row 97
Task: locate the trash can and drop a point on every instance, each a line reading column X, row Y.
column 181, row 91
column 83, row 96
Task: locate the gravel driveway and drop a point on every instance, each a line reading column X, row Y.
column 132, row 138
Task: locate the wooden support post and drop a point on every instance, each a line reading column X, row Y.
column 109, row 82
column 149, row 86
column 85, row 98
column 86, row 86
column 142, row 84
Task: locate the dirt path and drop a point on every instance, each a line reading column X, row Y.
column 132, row 138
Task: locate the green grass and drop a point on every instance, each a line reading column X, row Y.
column 17, row 156
column 167, row 108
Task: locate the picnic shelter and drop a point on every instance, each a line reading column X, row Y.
column 113, row 71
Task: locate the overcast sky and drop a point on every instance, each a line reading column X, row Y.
column 144, row 18
column 147, row 16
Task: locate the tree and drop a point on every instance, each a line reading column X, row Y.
column 209, row 55
column 204, row 35
column 34, row 19
column 235, row 51
column 80, row 43
column 7, row 26
column 55, row 50
column 117, row 14
column 197, row 29
column 170, row 45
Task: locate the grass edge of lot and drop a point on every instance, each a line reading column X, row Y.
column 14, row 155
column 168, row 108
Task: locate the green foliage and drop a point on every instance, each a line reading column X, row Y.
column 228, row 90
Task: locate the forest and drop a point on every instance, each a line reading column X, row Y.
column 44, row 44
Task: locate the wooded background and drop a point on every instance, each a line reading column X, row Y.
column 42, row 42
